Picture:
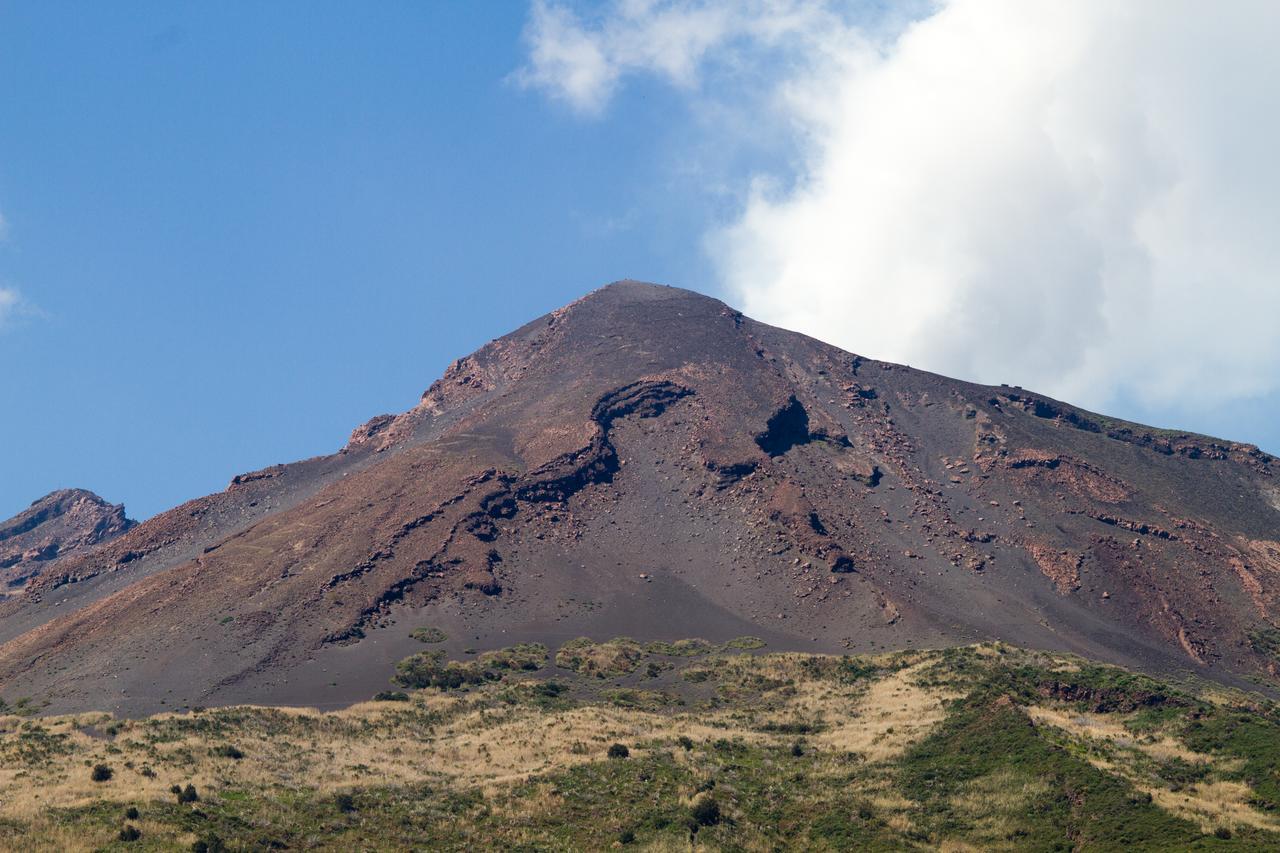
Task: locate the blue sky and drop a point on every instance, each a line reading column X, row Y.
column 243, row 235
column 233, row 233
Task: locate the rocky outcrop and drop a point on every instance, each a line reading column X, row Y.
column 59, row 524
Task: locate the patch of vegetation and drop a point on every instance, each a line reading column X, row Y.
column 1251, row 737
column 428, row 635
column 1266, row 641
column 746, row 643
column 1071, row 798
column 978, row 748
column 680, row 648
column 431, row 669
column 619, row 656
column 652, row 700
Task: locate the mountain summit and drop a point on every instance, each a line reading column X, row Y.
column 649, row 461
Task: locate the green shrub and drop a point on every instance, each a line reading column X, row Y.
column 185, row 795
column 618, row 656
column 619, row 750
column 390, row 696
column 101, row 773
column 428, row 635
column 229, row 751
column 680, row 648
column 129, row 832
column 706, row 812
column 429, row 669
column 208, row 844
column 549, row 689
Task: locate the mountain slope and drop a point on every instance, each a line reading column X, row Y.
column 649, row 461
column 58, row 525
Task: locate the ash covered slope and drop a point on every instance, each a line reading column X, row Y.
column 649, row 461
column 61, row 523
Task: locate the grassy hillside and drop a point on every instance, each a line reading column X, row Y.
column 664, row 746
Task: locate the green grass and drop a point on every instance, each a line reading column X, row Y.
column 770, row 739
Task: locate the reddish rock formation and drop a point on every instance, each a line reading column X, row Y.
column 61, row 523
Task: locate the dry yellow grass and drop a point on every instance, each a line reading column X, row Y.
column 1210, row 804
column 1110, row 727
column 1213, row 804
column 844, row 723
column 893, row 713
column 474, row 746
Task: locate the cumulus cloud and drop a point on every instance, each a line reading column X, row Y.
column 1079, row 197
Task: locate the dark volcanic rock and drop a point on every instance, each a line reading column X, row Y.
column 64, row 522
column 647, row 461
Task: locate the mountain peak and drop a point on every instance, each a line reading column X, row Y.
column 647, row 461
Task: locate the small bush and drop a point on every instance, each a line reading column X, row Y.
column 390, row 696
column 229, row 751
column 619, row 750
column 549, row 689
column 208, row 844
column 617, row 657
column 1222, row 832
column 685, row 742
column 131, row 813
column 680, row 648
column 706, row 812
column 797, row 749
column 185, row 795
column 129, row 833
column 101, row 773
column 429, row 635
column 345, row 802
column 626, row 837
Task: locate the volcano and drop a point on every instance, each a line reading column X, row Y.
column 647, row 461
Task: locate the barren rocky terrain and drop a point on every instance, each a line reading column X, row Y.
column 648, row 461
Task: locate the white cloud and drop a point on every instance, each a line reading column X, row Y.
column 1080, row 197
column 582, row 61
column 10, row 303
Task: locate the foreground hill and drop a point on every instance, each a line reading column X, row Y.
column 58, row 525
column 649, row 461
column 665, row 746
